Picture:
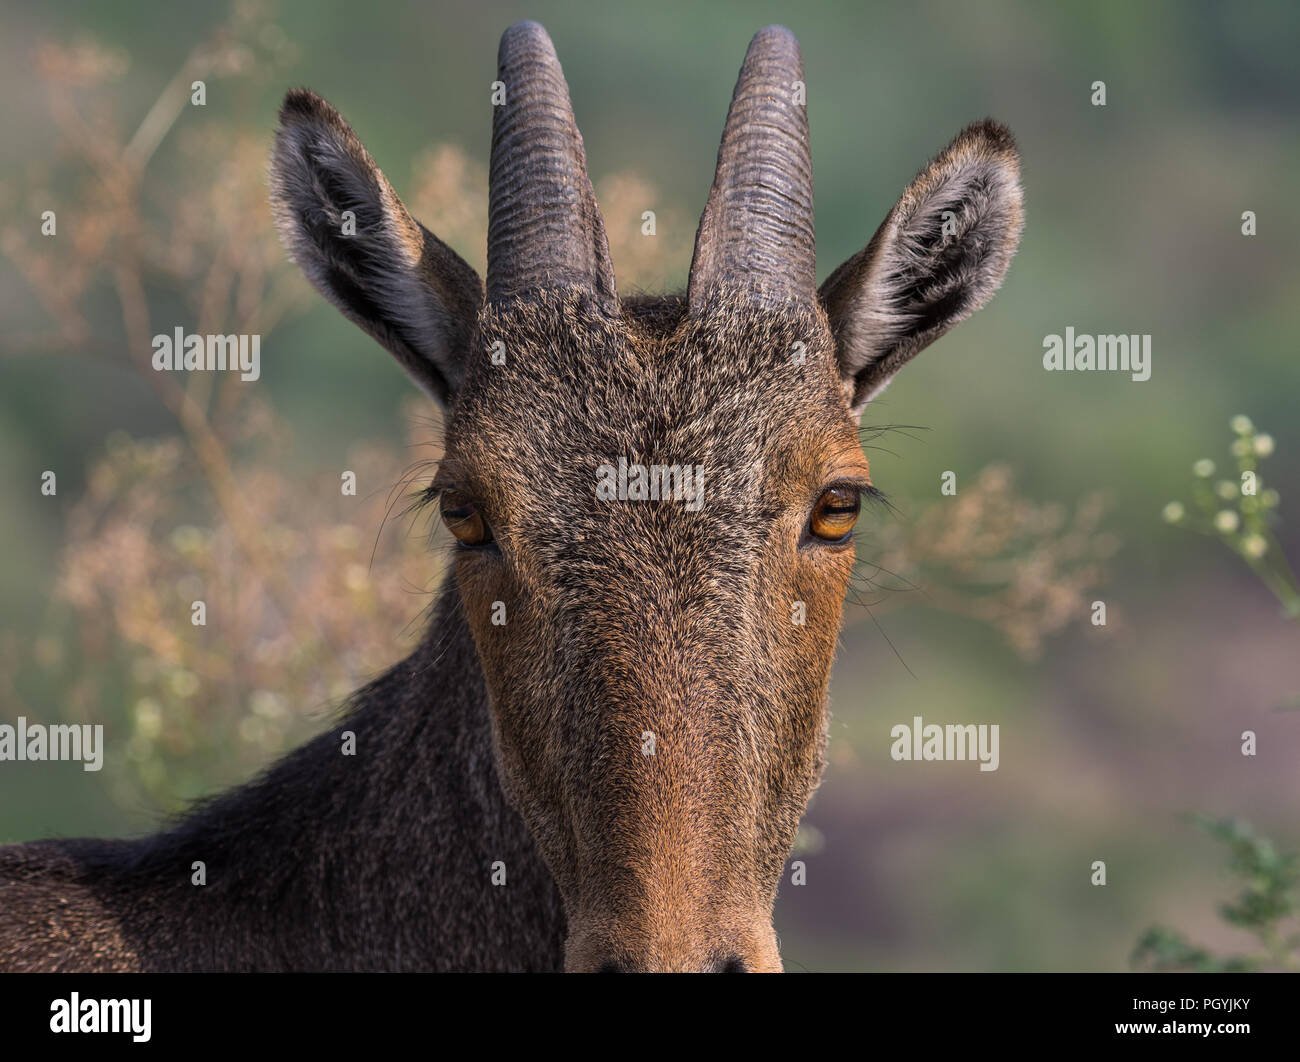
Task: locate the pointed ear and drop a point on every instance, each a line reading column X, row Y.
column 936, row 259
column 378, row 265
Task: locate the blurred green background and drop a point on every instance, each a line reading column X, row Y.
column 1133, row 226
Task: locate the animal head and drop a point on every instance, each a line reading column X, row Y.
column 653, row 499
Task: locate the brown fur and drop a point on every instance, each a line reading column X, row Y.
column 628, row 618
column 623, row 619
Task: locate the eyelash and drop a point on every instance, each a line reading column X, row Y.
column 865, row 491
column 431, row 495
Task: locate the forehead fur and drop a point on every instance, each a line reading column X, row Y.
column 653, row 384
column 748, row 395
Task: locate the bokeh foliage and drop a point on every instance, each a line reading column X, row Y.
column 972, row 609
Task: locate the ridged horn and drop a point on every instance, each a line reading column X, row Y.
column 544, row 228
column 757, row 226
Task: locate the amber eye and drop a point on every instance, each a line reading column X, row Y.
column 465, row 522
column 835, row 513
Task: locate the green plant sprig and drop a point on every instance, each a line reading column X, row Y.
column 1239, row 518
column 1266, row 908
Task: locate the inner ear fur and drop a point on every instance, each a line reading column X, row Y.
column 937, row 257
column 383, row 269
